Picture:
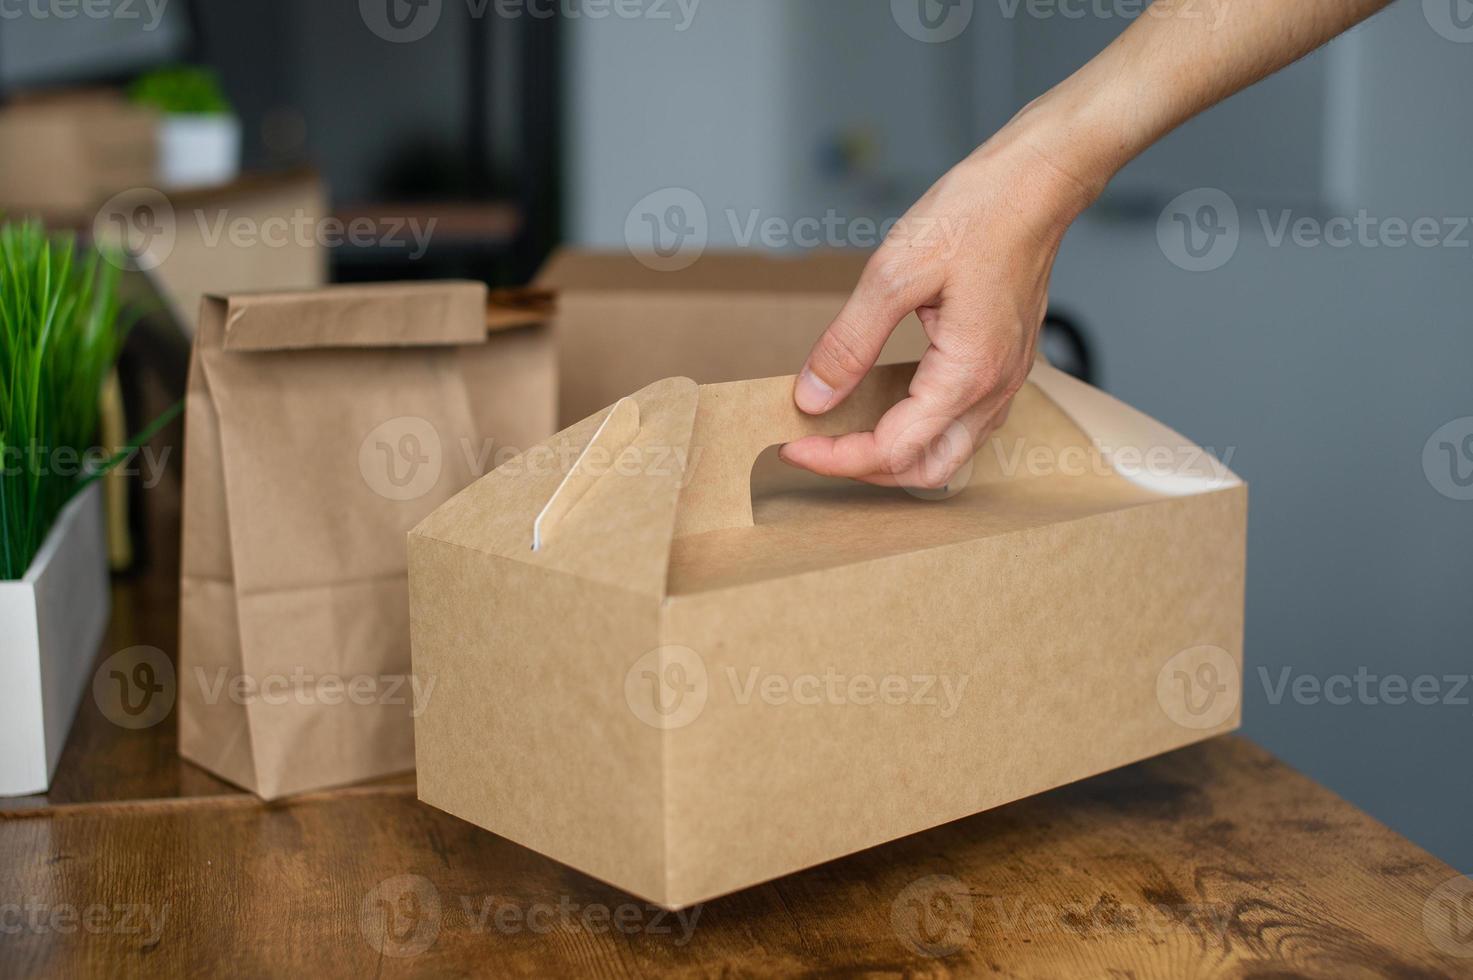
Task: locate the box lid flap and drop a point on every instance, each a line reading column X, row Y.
column 667, row 472
column 612, row 481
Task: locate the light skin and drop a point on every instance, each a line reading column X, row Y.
column 972, row 257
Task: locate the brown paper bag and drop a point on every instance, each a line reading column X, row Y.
column 320, row 427
column 653, row 673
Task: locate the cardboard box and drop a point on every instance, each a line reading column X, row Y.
column 258, row 234
column 64, row 155
column 320, row 427
column 622, row 325
column 688, row 686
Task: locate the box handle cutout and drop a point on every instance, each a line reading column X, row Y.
column 735, row 422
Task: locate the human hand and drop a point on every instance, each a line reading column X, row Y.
column 972, row 259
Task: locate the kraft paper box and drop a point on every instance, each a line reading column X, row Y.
column 651, row 671
column 256, row 234
column 320, row 427
column 63, row 155
column 731, row 315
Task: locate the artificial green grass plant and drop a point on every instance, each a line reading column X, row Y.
column 59, row 337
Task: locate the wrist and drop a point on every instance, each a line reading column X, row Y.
column 1075, row 140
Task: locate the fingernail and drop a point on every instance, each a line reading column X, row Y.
column 811, row 394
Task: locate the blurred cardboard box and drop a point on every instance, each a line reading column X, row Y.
column 320, row 427
column 622, row 325
column 63, row 155
column 261, row 232
column 647, row 669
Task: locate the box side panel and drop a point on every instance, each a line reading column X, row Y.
column 524, row 727
column 44, row 166
column 610, row 344
column 852, row 706
column 214, row 731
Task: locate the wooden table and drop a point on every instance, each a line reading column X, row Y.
column 1216, row 860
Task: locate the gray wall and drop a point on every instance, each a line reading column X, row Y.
column 1324, row 370
column 1327, row 369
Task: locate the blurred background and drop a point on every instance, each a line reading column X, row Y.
column 1251, row 281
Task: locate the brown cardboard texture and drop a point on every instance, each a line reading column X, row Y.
column 204, row 256
column 62, row 155
column 320, row 427
column 622, row 325
column 690, row 686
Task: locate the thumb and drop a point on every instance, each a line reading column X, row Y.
column 888, row 290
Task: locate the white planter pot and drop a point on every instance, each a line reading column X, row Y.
column 51, row 622
column 198, row 150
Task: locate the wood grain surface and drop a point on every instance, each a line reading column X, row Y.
column 1213, row 861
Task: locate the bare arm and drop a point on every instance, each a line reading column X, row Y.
column 972, row 257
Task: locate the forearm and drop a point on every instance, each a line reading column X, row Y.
column 1178, row 58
